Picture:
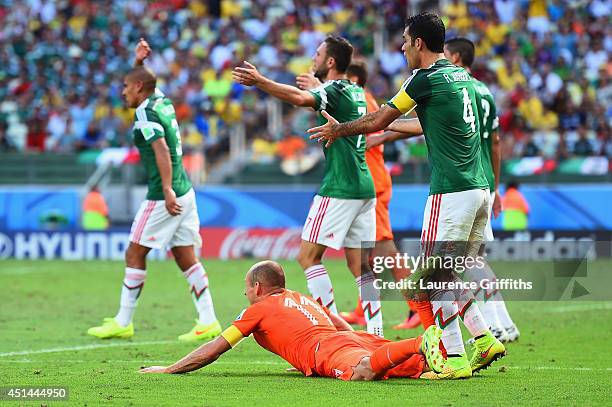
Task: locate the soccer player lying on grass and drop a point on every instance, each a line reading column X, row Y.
column 313, row 340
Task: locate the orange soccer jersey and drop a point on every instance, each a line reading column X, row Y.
column 299, row 330
column 381, row 178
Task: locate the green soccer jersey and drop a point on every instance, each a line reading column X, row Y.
column 347, row 175
column 489, row 122
column 155, row 118
column 445, row 101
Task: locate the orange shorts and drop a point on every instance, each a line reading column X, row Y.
column 383, row 223
column 339, row 353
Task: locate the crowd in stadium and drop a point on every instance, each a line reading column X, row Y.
column 61, row 65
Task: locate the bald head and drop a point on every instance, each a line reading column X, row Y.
column 269, row 274
column 144, row 75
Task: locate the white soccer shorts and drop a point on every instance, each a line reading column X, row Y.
column 455, row 217
column 154, row 227
column 339, row 223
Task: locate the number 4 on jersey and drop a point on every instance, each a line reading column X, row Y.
column 468, row 112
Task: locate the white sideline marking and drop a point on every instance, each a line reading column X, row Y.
column 139, row 361
column 84, row 347
column 579, row 307
column 279, row 363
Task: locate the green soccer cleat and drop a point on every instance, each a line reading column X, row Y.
column 111, row 329
column 487, row 350
column 430, row 346
column 457, row 367
column 201, row 332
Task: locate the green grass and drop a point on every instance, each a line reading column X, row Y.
column 561, row 358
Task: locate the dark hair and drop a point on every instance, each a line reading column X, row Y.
column 268, row 274
column 512, row 184
column 428, row 27
column 360, row 70
column 144, row 75
column 341, row 50
column 464, row 47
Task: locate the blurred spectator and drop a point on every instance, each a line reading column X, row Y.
column 530, row 148
column 95, row 211
column 515, row 208
column 583, row 147
column 61, row 65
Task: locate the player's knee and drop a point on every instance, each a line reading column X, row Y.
column 307, row 259
column 135, row 258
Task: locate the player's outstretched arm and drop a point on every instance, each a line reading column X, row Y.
column 411, row 127
column 496, row 161
column 164, row 165
column 143, row 50
column 202, row 356
column 339, row 323
column 387, row 137
column 249, row 75
column 369, row 123
column 306, row 81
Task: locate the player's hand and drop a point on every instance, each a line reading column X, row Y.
column 173, row 207
column 374, row 141
column 247, row 75
column 497, row 205
column 143, row 50
column 154, row 369
column 325, row 132
column 307, row 81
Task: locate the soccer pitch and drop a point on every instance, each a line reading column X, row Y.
column 47, row 306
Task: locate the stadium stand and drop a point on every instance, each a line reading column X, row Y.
column 546, row 62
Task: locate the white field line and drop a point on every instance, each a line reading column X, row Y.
column 84, row 347
column 280, row 363
column 149, row 361
column 579, row 307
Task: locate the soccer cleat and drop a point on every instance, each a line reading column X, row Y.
column 411, row 322
column 487, row 349
column 512, row 334
column 430, row 347
column 201, row 332
column 500, row 334
column 455, row 367
column 353, row 318
column 111, row 329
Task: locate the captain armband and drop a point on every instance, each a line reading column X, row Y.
column 232, row 335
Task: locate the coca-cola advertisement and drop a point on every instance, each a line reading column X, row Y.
column 239, row 243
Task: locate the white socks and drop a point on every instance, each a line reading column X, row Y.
column 472, row 318
column 133, row 282
column 198, row 280
column 446, row 316
column 370, row 302
column 320, row 286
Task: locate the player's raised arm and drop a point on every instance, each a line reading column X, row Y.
column 369, row 123
column 202, row 356
column 411, row 127
column 307, row 81
column 249, row 75
column 143, row 50
column 387, row 137
column 164, row 165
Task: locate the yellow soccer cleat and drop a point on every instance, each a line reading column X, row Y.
column 201, row 332
column 111, row 329
column 430, row 347
column 487, row 350
column 454, row 368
